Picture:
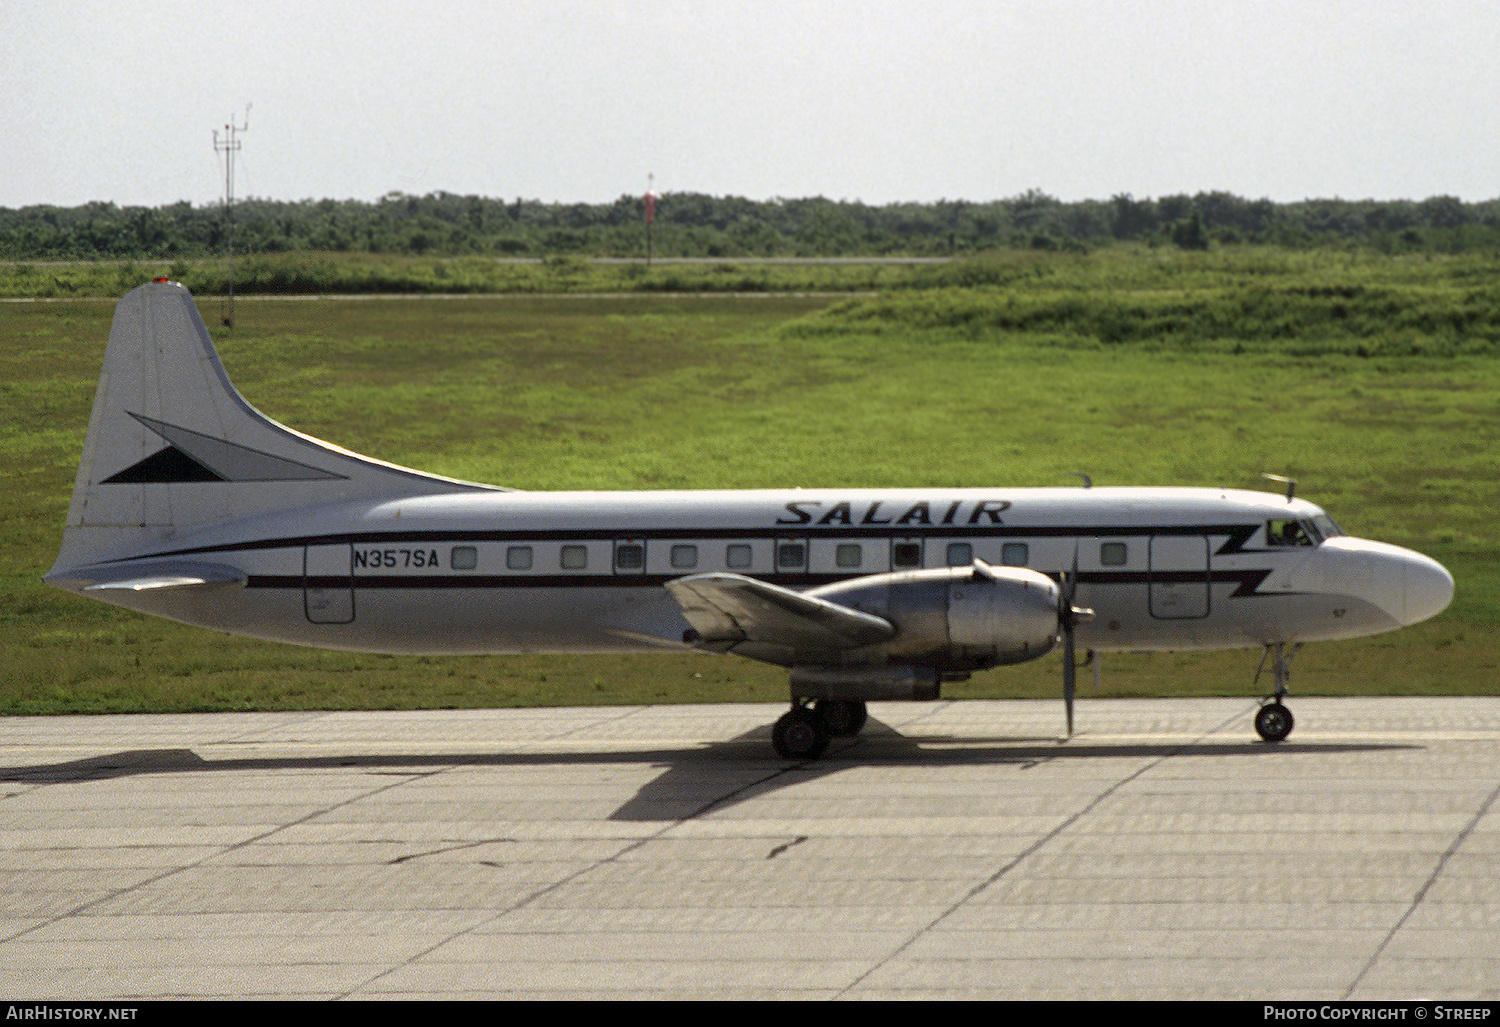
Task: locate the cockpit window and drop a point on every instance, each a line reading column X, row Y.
column 1326, row 527
column 1288, row 533
column 1312, row 531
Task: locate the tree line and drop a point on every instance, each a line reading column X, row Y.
column 698, row 225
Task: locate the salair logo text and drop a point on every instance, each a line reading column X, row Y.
column 844, row 512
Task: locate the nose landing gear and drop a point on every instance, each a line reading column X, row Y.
column 1273, row 721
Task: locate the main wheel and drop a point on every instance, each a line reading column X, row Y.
column 1273, row 722
column 842, row 717
column 800, row 734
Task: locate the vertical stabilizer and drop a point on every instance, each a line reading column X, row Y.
column 172, row 445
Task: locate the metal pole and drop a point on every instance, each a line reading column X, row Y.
column 228, row 147
column 650, row 215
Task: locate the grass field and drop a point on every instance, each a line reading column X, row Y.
column 366, row 273
column 1373, row 381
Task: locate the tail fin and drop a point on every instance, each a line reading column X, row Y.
column 172, row 445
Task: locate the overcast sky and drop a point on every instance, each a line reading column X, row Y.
column 581, row 100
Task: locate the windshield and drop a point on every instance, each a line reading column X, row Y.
column 1308, row 532
column 1289, row 533
column 1325, row 527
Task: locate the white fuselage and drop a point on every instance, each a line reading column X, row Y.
column 519, row 572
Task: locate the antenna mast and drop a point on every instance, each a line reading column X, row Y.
column 651, row 199
column 229, row 146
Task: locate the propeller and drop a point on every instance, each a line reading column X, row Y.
column 1069, row 616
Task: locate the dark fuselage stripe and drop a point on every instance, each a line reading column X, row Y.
column 1246, row 579
column 1237, row 535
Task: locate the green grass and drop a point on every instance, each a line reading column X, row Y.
column 303, row 273
column 917, row 386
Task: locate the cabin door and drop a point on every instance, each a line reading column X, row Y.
column 328, row 583
column 1179, row 577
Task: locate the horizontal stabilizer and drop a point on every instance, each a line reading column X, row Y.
column 141, row 577
column 753, row 617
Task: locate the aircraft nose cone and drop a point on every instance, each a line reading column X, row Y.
column 1427, row 588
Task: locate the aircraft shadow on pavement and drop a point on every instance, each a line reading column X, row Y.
column 699, row 778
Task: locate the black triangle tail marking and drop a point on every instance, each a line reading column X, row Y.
column 163, row 467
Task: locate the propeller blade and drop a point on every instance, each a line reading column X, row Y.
column 1070, row 672
column 1069, row 583
column 1068, row 616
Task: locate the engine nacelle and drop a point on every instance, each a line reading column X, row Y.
column 1010, row 611
column 956, row 618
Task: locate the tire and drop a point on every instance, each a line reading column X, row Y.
column 800, row 735
column 842, row 717
column 1273, row 722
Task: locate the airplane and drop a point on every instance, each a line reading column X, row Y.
column 192, row 505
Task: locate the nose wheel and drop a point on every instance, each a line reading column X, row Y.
column 1273, row 721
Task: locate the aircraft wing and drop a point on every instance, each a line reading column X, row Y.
column 767, row 622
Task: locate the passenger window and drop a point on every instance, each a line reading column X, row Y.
column 684, row 557
column 575, row 558
column 737, row 556
column 518, row 558
column 847, row 554
column 464, row 558
column 792, row 555
column 630, row 557
column 960, row 554
column 906, row 554
column 1113, row 554
column 1015, row 554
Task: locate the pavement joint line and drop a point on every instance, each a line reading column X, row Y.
column 255, row 734
column 1480, row 814
column 242, row 843
column 1032, row 849
column 555, row 885
column 620, row 713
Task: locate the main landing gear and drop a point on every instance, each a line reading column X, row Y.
column 1273, row 721
column 804, row 731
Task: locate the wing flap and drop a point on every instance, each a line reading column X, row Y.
column 754, row 617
